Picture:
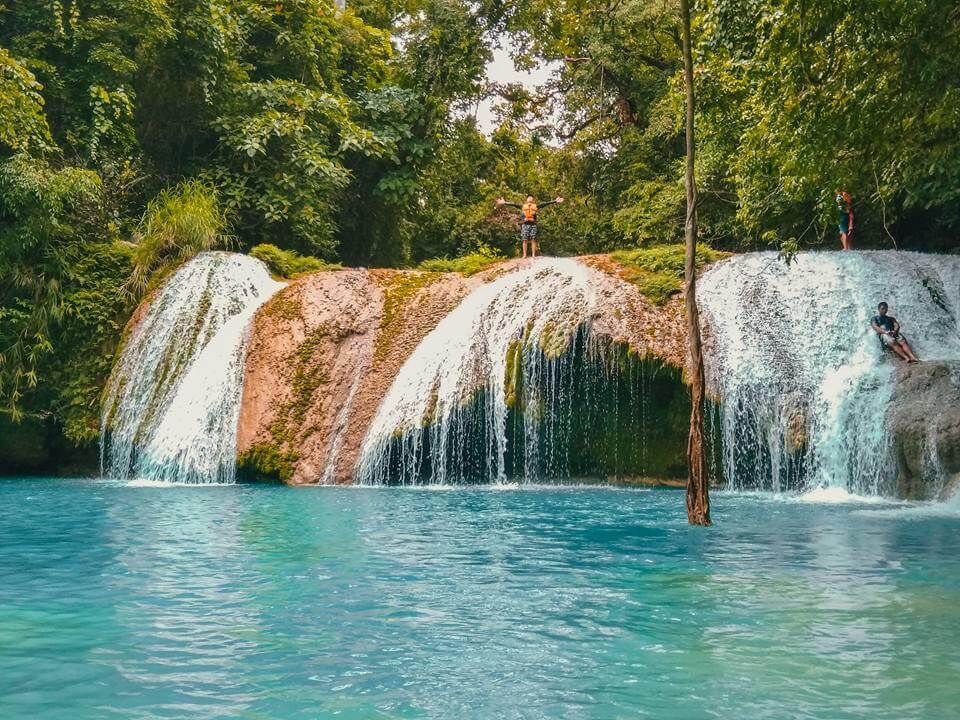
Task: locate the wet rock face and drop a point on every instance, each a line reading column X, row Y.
column 924, row 420
column 322, row 354
column 796, row 422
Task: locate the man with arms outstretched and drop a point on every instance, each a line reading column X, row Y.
column 528, row 221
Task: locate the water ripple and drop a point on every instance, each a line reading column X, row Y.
column 131, row 602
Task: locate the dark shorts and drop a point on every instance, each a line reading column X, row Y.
column 891, row 339
column 528, row 231
column 845, row 225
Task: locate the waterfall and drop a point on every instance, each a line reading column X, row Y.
column 173, row 401
column 451, row 399
column 803, row 382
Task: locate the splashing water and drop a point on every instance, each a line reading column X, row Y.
column 473, row 356
column 171, row 408
column 803, row 381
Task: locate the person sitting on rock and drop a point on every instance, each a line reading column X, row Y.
column 887, row 327
column 528, row 221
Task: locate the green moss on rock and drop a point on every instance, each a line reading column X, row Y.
column 512, row 378
column 465, row 265
column 289, row 264
column 266, row 461
column 285, row 305
column 398, row 290
column 309, row 374
column 554, row 339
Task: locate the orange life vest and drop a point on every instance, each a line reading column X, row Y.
column 529, row 212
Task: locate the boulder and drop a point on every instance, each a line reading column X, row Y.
column 924, row 420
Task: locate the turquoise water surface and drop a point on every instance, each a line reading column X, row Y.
column 270, row 602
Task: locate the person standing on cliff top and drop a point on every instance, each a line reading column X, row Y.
column 887, row 327
column 845, row 208
column 528, row 220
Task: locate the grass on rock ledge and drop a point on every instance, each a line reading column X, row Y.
column 658, row 270
column 466, row 265
column 290, row 264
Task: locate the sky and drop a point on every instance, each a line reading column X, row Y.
column 501, row 70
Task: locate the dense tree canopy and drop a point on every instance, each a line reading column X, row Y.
column 134, row 133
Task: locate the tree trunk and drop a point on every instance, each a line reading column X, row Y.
column 698, row 491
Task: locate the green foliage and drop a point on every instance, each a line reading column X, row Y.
column 654, row 212
column 87, row 57
column 95, row 308
column 466, row 265
column 178, row 223
column 658, row 271
column 289, row 264
column 803, row 99
column 45, row 215
column 62, row 307
column 795, row 101
column 457, row 214
column 23, row 126
column 279, row 160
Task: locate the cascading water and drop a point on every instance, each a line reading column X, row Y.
column 506, row 386
column 803, row 382
column 171, row 408
column 464, row 359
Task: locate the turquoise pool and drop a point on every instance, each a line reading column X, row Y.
column 268, row 602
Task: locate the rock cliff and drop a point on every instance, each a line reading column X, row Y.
column 325, row 350
column 924, row 422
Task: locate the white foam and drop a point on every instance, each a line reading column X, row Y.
column 834, row 495
column 146, row 483
column 949, row 508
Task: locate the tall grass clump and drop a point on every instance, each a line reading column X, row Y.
column 179, row 223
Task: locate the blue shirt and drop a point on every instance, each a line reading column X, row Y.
column 887, row 322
